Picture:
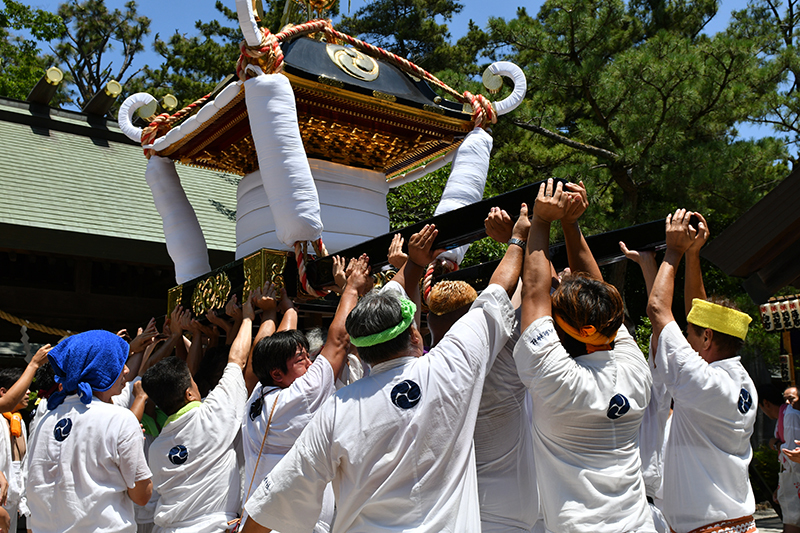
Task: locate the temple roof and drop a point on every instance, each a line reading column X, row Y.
column 68, row 174
column 762, row 245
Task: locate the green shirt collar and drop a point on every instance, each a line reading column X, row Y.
column 182, row 411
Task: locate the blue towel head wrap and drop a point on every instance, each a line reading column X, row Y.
column 89, row 361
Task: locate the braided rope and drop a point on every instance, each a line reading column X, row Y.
column 33, row 325
column 300, row 257
column 163, row 123
column 436, row 267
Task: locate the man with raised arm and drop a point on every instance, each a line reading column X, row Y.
column 706, row 486
column 291, row 389
column 397, row 445
column 588, row 380
column 193, row 459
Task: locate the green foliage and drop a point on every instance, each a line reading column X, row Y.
column 765, row 462
column 92, row 32
column 634, row 101
column 642, row 335
column 21, row 62
column 774, row 25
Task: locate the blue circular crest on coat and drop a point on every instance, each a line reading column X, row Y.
column 62, row 429
column 178, row 455
column 406, row 394
column 745, row 401
column 618, row 406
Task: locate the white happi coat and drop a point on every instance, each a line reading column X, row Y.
column 397, row 445
column 82, row 459
column 194, row 463
column 708, row 448
column 295, row 407
column 507, row 490
column 586, row 417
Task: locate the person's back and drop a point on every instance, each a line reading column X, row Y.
column 86, row 465
column 706, row 483
column 507, row 488
column 194, row 462
column 398, row 443
column 74, row 481
column 708, row 449
column 588, row 380
column 587, row 412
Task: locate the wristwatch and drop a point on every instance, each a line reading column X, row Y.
column 519, row 242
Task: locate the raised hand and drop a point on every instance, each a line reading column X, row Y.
column 523, row 224
column 358, row 275
column 247, row 310
column 285, row 302
column 499, row 225
column 175, row 321
column 551, row 202
column 233, row 309
column 577, row 204
column 680, row 234
column 397, row 258
column 638, row 257
column 339, row 276
column 702, row 235
column 40, row 357
column 264, row 297
column 146, row 337
column 419, row 246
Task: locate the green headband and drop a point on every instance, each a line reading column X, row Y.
column 408, row 309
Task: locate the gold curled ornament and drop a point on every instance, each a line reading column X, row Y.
column 211, row 293
column 353, row 62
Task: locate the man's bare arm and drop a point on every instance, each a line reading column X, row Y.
column 537, row 274
column 693, row 283
column 680, row 236
column 358, row 280
column 578, row 253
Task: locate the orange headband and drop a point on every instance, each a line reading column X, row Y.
column 587, row 334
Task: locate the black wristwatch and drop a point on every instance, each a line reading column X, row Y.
column 519, row 242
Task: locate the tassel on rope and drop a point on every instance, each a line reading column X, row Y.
column 301, row 256
column 436, row 267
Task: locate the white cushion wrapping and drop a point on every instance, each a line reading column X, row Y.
column 467, row 180
column 185, row 242
column 282, row 159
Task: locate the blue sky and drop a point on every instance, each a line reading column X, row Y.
column 170, row 16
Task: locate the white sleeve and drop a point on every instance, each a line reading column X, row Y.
column 316, row 384
column 394, row 288
column 228, row 399
column 130, row 451
column 289, row 499
column 689, row 379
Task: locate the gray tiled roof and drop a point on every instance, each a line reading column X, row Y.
column 70, row 173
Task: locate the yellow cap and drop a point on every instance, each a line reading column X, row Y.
column 719, row 318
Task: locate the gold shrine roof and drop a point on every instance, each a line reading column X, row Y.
column 352, row 109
